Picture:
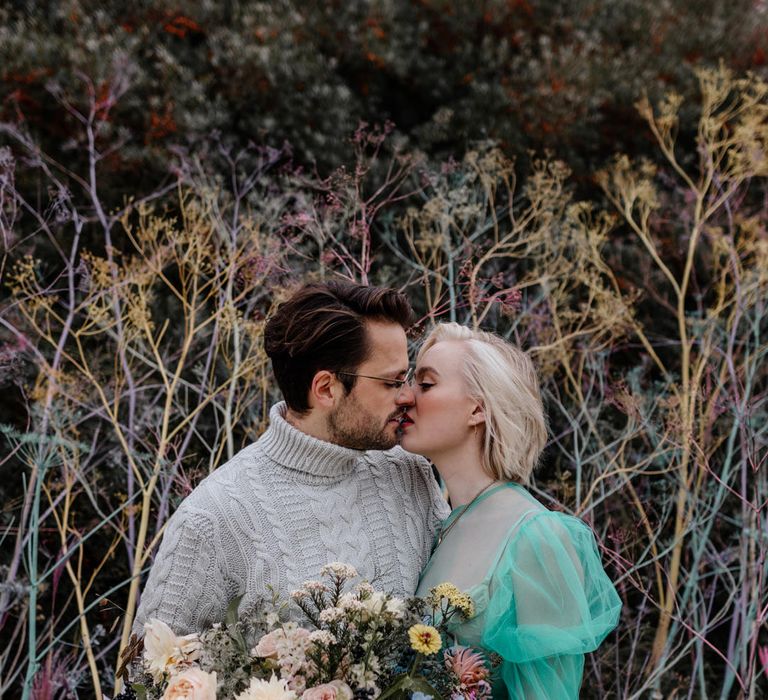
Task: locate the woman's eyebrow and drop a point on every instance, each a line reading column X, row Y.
column 423, row 370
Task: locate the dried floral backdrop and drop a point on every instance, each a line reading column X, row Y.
column 132, row 363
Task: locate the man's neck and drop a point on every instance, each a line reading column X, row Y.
column 310, row 424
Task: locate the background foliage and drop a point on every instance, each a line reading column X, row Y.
column 585, row 178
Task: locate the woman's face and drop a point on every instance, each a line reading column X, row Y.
column 442, row 418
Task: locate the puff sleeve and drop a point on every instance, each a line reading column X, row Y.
column 551, row 602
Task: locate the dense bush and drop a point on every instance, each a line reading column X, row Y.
column 530, row 75
column 153, row 213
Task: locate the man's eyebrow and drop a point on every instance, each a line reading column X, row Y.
column 395, row 373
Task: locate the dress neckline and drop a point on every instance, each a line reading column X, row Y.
column 461, row 509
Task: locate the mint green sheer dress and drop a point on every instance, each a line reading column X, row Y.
column 542, row 597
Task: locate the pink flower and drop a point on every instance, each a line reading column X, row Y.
column 470, row 670
column 267, row 646
column 762, row 652
column 335, row 690
column 192, row 684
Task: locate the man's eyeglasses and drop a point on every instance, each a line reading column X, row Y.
column 391, row 383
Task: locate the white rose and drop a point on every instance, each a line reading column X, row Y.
column 375, row 603
column 396, row 606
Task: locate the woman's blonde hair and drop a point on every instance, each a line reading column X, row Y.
column 503, row 379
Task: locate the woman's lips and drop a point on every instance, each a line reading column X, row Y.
column 405, row 421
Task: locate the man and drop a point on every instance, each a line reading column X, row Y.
column 322, row 483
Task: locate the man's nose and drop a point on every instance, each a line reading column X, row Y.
column 406, row 397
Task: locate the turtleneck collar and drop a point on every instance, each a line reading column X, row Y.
column 295, row 450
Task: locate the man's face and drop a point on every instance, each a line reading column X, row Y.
column 369, row 416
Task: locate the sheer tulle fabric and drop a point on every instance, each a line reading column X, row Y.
column 542, row 596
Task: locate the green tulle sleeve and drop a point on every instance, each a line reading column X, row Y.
column 551, row 602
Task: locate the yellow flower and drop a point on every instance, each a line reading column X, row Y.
column 425, row 639
column 444, row 590
column 455, row 598
column 464, row 603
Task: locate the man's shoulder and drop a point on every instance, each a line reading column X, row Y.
column 235, row 473
column 397, row 461
column 397, row 456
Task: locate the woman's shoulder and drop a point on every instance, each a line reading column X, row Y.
column 541, row 523
column 512, row 505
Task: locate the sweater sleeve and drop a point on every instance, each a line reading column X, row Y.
column 185, row 588
column 427, row 490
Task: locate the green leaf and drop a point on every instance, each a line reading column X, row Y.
column 405, row 684
column 140, row 690
column 401, row 683
column 231, row 616
column 230, row 620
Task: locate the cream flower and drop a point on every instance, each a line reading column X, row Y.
column 375, row 603
column 396, row 606
column 364, row 588
column 335, row 690
column 273, row 689
column 314, row 586
column 331, row 615
column 191, row 684
column 322, row 637
column 349, row 601
column 162, row 648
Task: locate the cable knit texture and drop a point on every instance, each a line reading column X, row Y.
column 277, row 512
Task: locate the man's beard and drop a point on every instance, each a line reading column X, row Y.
column 350, row 426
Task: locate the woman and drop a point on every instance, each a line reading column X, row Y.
column 542, row 597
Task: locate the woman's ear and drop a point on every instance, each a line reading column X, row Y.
column 478, row 416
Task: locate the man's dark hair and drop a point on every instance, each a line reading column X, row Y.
column 322, row 327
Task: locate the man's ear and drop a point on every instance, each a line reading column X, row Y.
column 477, row 416
column 324, row 389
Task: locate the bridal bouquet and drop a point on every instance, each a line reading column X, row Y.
column 356, row 644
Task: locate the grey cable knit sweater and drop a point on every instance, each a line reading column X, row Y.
column 277, row 512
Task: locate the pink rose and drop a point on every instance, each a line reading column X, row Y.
column 335, row 690
column 267, row 646
column 192, row 684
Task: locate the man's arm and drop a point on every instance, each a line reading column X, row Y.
column 185, row 588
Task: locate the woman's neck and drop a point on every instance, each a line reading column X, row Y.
column 462, row 472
